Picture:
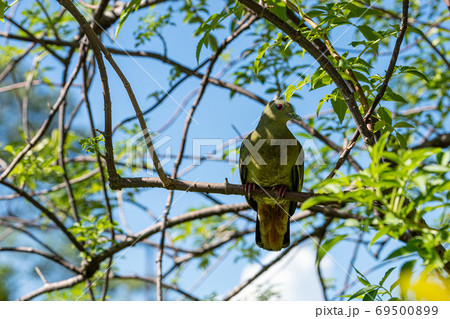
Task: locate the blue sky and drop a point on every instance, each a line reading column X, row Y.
column 215, row 117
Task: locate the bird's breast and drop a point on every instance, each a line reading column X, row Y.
column 272, row 165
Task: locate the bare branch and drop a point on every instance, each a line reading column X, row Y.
column 395, row 53
column 442, row 140
column 67, row 283
column 155, row 228
column 55, row 258
column 40, row 41
column 153, row 281
column 283, row 254
column 47, row 212
column 381, row 91
column 215, row 188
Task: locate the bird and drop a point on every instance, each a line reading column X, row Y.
column 271, row 157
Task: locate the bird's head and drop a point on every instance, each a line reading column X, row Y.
column 280, row 111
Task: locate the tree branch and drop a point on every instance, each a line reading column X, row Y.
column 47, row 212
column 381, row 91
column 442, row 140
column 57, row 259
column 49, row 287
column 214, row 188
column 45, row 125
column 153, row 281
column 297, row 37
column 239, row 288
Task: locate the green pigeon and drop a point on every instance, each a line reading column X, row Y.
column 272, row 157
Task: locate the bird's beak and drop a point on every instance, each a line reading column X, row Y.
column 295, row 116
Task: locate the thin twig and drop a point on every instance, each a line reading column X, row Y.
column 153, row 281
column 102, row 175
column 381, row 91
column 40, row 133
column 38, row 40
column 47, row 212
column 56, row 259
column 264, row 268
column 297, row 37
column 247, row 22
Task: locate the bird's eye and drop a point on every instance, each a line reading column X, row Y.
column 279, row 106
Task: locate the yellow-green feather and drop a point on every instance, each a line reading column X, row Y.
column 273, row 217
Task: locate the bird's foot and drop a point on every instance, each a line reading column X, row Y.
column 281, row 190
column 249, row 187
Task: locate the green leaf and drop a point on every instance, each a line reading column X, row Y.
column 319, row 79
column 339, row 107
column 363, row 280
column 437, row 168
column 369, row 33
column 199, row 47
column 445, row 158
column 379, row 234
column 391, row 96
column 320, row 106
column 213, row 42
column 416, row 30
column 363, row 291
column 351, row 223
column 404, row 250
column 361, row 77
column 3, row 8
column 395, row 284
column 279, row 8
column 417, row 73
column 287, row 45
column 289, row 92
column 238, row 10
column 125, row 13
column 385, row 115
column 379, row 125
column 386, row 275
column 371, row 295
column 403, row 124
column 316, row 200
column 9, row 149
column 401, row 140
column 326, row 246
column 260, row 54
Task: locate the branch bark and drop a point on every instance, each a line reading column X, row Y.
column 297, row 37
column 49, row 287
column 153, row 281
column 381, row 91
column 214, row 188
column 56, row 259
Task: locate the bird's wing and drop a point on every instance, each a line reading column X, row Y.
column 297, row 180
column 243, row 153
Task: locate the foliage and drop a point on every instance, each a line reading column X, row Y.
column 398, row 203
column 374, row 292
column 93, row 232
column 6, row 284
column 395, row 193
column 90, row 144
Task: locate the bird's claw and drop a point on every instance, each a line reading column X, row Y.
column 249, row 187
column 281, row 191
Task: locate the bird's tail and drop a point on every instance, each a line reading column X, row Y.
column 272, row 226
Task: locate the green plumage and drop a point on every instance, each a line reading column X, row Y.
column 272, row 157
